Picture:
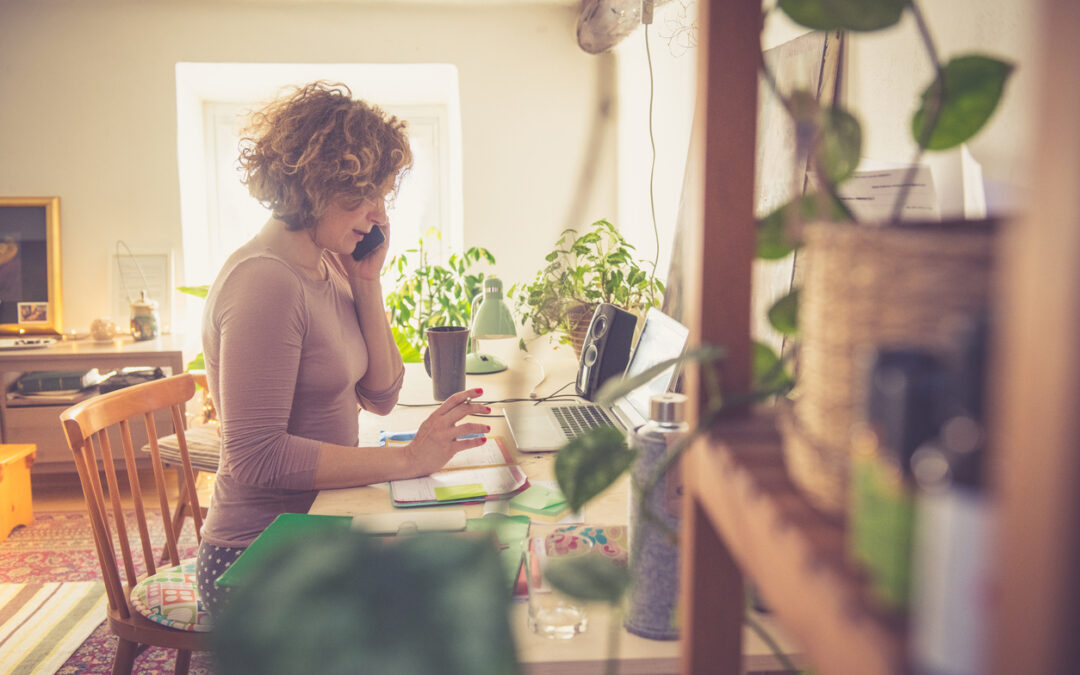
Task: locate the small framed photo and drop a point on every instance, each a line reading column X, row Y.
column 33, row 313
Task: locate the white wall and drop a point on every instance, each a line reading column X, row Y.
column 673, row 84
column 87, row 110
column 88, row 113
column 888, row 70
column 884, row 74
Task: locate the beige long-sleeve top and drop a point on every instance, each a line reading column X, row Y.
column 284, row 358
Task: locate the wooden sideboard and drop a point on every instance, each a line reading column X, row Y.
column 40, row 424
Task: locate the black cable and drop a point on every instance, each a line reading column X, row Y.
column 553, row 396
column 555, row 393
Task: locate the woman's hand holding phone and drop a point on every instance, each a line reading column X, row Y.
column 370, row 242
column 369, row 254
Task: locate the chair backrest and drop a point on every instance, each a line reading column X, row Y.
column 88, row 425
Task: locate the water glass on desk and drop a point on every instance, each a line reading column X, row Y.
column 551, row 613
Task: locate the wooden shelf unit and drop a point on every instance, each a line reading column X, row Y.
column 742, row 516
column 40, row 424
column 794, row 556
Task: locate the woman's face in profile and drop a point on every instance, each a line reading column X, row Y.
column 347, row 220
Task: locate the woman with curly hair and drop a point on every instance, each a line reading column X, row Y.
column 295, row 334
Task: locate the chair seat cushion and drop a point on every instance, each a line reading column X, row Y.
column 169, row 598
column 204, row 447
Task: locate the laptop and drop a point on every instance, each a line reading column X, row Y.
column 542, row 428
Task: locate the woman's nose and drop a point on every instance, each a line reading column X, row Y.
column 378, row 214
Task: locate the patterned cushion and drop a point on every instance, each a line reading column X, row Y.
column 609, row 541
column 169, row 598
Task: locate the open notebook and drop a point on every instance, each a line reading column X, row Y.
column 478, row 474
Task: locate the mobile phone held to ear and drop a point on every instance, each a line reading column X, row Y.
column 371, row 241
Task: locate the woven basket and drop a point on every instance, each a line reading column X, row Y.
column 579, row 317
column 867, row 287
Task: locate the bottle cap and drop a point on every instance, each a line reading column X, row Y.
column 667, row 408
column 144, row 303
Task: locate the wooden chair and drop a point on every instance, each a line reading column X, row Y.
column 88, row 426
column 204, row 446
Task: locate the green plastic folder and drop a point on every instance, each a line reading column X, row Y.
column 278, row 534
column 512, row 533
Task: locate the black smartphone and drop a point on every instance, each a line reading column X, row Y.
column 371, row 241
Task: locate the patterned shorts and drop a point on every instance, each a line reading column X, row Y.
column 211, row 563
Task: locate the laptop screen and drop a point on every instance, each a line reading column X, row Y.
column 662, row 338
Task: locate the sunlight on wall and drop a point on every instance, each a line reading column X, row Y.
column 218, row 214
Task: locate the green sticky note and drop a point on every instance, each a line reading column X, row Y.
column 445, row 494
column 538, row 498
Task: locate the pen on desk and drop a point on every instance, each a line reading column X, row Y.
column 469, row 468
column 472, row 395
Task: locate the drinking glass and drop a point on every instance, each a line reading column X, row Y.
column 551, row 613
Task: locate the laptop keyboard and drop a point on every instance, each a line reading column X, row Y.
column 577, row 418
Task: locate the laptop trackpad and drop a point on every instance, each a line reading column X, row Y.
column 535, row 430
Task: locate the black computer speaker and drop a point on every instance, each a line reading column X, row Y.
column 606, row 350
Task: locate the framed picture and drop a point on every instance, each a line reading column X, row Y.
column 30, row 265
column 33, row 313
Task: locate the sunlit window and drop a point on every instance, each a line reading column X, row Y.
column 218, row 214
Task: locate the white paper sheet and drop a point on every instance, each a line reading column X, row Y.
column 495, row 481
column 872, row 194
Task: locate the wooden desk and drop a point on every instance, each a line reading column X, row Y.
column 585, row 653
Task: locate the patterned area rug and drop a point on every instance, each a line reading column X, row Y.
column 42, row 624
column 58, row 547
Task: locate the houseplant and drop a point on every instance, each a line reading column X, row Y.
column 583, row 271
column 430, row 294
column 197, row 362
column 343, row 601
column 955, row 105
column 923, row 274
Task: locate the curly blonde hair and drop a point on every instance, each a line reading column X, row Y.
column 303, row 151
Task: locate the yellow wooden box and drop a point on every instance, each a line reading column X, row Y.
column 16, row 504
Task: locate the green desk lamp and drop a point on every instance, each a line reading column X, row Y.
column 491, row 319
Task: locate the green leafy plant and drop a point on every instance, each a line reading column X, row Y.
column 956, row 104
column 953, row 108
column 345, row 602
column 585, row 270
column 592, row 462
column 196, row 363
column 429, row 294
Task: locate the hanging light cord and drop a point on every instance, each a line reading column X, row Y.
column 135, row 260
column 652, row 144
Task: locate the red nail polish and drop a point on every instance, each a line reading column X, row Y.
column 479, row 391
column 487, row 428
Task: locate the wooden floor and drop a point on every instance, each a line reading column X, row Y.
column 61, row 492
